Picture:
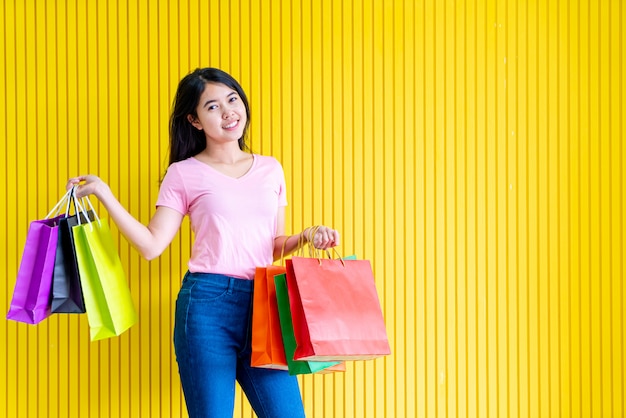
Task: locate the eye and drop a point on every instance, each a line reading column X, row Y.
column 212, row 107
column 233, row 99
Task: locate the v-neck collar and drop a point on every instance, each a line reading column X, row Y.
column 215, row 170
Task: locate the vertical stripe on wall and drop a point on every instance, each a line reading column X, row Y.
column 472, row 150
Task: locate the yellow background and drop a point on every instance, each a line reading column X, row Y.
column 472, row 150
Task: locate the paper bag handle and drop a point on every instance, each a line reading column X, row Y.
column 59, row 205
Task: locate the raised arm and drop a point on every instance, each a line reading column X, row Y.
column 150, row 240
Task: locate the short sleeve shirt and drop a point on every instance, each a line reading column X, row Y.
column 233, row 219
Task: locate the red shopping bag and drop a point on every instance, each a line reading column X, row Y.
column 267, row 342
column 284, row 312
column 335, row 310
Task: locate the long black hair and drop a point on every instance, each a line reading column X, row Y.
column 185, row 140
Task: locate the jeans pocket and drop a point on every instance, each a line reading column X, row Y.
column 202, row 291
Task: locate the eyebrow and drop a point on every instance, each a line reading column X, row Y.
column 214, row 100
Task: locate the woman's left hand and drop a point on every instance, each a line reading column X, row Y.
column 323, row 238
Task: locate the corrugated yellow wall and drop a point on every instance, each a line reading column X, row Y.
column 473, row 150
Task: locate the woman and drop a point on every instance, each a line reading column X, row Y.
column 236, row 203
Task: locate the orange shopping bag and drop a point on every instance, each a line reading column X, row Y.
column 267, row 342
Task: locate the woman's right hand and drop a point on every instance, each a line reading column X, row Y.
column 149, row 240
column 86, row 185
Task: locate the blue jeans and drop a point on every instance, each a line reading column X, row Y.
column 212, row 342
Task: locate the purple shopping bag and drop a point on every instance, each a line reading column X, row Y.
column 31, row 296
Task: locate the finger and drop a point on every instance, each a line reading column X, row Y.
column 319, row 241
column 335, row 240
column 82, row 191
column 324, row 240
column 72, row 182
column 331, row 239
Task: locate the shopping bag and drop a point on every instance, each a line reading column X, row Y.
column 31, row 296
column 109, row 304
column 335, row 309
column 296, row 367
column 267, row 344
column 67, row 294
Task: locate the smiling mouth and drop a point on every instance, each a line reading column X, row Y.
column 231, row 125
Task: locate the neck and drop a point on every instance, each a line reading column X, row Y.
column 225, row 154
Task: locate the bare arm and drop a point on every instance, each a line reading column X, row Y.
column 150, row 240
column 324, row 237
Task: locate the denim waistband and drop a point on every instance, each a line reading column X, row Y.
column 234, row 283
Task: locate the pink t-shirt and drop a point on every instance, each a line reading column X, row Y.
column 233, row 220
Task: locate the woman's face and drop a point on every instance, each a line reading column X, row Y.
column 221, row 113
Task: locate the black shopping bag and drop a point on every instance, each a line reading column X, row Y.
column 67, row 293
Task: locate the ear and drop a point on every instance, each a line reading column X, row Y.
column 194, row 122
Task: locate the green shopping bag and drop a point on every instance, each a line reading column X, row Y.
column 109, row 305
column 296, row 367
